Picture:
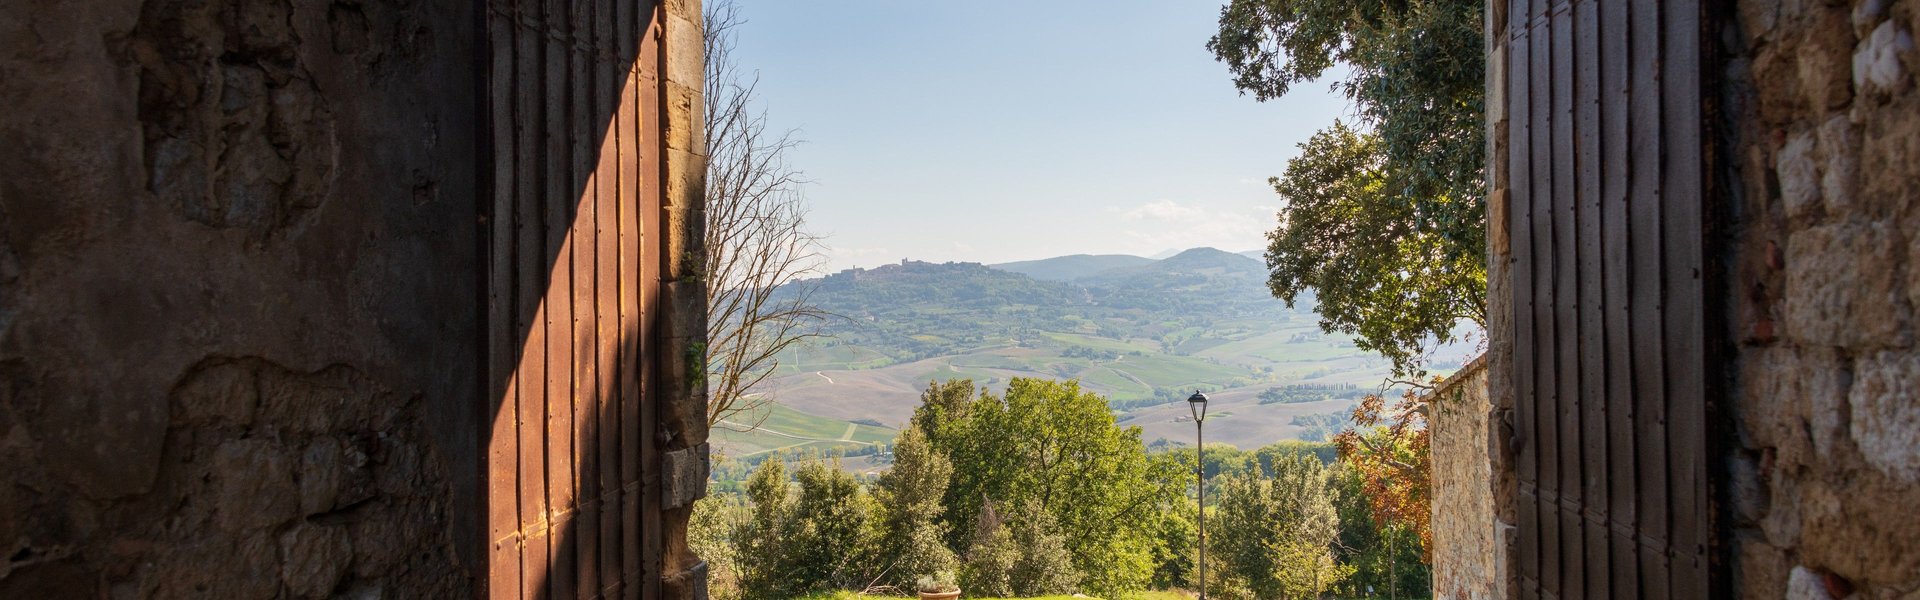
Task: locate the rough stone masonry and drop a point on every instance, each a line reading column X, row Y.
column 1825, row 276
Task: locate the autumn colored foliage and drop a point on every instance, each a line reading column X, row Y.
column 1389, row 446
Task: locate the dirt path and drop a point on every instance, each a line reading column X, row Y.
column 848, row 436
column 824, row 376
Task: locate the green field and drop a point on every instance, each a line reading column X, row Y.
column 782, row 428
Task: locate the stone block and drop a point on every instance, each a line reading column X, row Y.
column 334, row 398
column 685, row 478
column 320, row 475
column 1757, row 20
column 1885, row 409
column 1867, row 14
column 313, row 558
column 685, row 121
column 333, row 474
column 690, row 584
column 1782, row 523
column 1849, row 526
column 1826, row 44
column 1797, row 167
column 254, row 485
column 1748, row 490
column 1839, row 164
column 1878, row 63
column 1793, row 401
column 1805, row 584
column 1781, row 99
column 686, row 51
column 1841, row 289
column 1890, row 157
column 1761, row 569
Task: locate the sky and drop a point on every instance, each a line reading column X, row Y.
column 1001, row 131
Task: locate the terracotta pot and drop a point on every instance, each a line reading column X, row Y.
column 940, row 595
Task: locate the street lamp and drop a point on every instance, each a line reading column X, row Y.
column 1198, row 404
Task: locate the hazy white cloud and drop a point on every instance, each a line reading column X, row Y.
column 1162, row 210
column 1167, row 224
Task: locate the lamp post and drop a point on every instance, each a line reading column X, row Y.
column 1198, row 404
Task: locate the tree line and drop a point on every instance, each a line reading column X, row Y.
column 1039, row 491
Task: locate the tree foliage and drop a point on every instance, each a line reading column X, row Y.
column 1386, row 559
column 1275, row 534
column 1050, row 446
column 1390, row 451
column 1386, row 223
column 711, row 529
column 991, row 557
column 912, row 526
column 811, row 537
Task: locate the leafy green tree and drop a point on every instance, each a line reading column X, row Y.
column 991, row 557
column 1386, row 224
column 1385, row 559
column 759, row 543
column 810, row 538
column 913, row 532
column 1276, row 533
column 1175, row 529
column 1050, row 444
column 710, row 533
column 942, row 407
column 829, row 534
column 1045, row 567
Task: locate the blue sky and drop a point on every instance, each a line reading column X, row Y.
column 1000, row 131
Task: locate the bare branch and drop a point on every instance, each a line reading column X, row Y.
column 759, row 251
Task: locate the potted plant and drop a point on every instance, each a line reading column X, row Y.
column 938, row 586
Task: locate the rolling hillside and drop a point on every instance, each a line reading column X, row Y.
column 1069, row 268
column 1143, row 332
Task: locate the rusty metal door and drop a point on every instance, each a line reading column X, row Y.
column 1612, row 310
column 574, row 139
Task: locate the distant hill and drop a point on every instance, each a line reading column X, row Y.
column 1197, row 261
column 1256, row 254
column 955, row 285
column 1145, row 333
column 1069, row 268
column 1164, row 253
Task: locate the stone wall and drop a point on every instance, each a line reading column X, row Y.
column 238, row 298
column 1824, row 172
column 1464, row 558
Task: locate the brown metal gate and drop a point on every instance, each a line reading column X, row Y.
column 1607, row 215
column 573, row 93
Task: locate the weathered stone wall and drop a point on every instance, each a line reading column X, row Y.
column 1824, row 169
column 1498, row 360
column 238, row 298
column 1465, row 561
